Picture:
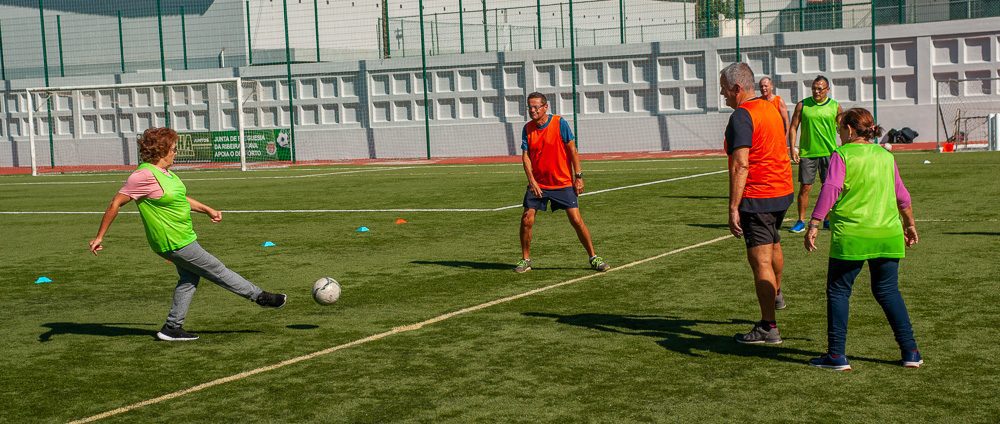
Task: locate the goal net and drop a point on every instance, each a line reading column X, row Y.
column 964, row 107
column 94, row 128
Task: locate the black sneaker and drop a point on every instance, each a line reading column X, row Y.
column 175, row 334
column 271, row 300
column 760, row 334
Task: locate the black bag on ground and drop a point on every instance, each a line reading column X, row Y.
column 903, row 136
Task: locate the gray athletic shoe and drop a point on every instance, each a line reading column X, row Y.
column 523, row 265
column 779, row 301
column 760, row 334
column 599, row 265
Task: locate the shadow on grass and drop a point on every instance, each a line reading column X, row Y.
column 696, row 197
column 302, row 326
column 974, row 233
column 679, row 335
column 486, row 265
column 466, row 264
column 111, row 329
column 724, row 226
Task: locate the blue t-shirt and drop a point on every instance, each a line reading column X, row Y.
column 564, row 130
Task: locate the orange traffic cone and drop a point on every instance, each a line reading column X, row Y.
column 400, row 221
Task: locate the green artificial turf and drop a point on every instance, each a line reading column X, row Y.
column 648, row 343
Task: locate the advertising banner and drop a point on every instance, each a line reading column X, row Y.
column 224, row 146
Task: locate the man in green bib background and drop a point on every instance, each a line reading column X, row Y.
column 818, row 117
column 165, row 209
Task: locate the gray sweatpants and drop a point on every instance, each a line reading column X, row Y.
column 193, row 262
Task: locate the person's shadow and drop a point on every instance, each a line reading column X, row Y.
column 111, row 329
column 483, row 265
column 466, row 264
column 680, row 335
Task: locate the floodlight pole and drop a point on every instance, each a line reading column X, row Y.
column 874, row 67
column 121, row 42
column 288, row 76
column 572, row 56
column 163, row 64
column 737, row 30
column 48, row 99
column 249, row 37
column 538, row 14
column 423, row 63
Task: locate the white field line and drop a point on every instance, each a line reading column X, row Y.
column 591, row 193
column 382, row 335
column 502, row 208
column 268, row 177
column 338, row 172
column 367, row 167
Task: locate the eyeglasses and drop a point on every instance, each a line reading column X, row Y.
column 537, row 107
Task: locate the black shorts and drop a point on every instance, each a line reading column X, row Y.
column 760, row 228
column 563, row 198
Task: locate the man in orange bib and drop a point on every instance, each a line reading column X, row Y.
column 554, row 176
column 760, row 190
column 766, row 87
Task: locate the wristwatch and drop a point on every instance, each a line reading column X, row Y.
column 578, row 175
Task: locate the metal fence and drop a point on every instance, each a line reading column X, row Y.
column 97, row 38
column 173, row 39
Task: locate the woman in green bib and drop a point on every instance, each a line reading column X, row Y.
column 870, row 220
column 165, row 209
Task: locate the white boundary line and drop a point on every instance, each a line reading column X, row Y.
column 382, row 335
column 591, row 193
column 502, row 208
column 270, row 177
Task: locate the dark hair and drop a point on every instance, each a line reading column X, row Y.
column 861, row 121
column 537, row 95
column 155, row 143
column 821, row 78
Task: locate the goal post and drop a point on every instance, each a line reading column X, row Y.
column 964, row 107
column 95, row 127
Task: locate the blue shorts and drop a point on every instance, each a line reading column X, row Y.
column 563, row 198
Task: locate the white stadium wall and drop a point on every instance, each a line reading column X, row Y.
column 634, row 97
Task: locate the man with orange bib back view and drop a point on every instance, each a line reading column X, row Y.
column 760, row 191
column 554, row 176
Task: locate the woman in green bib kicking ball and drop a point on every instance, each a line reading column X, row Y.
column 165, row 209
column 870, row 220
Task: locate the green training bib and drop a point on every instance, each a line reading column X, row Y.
column 865, row 221
column 819, row 128
column 168, row 219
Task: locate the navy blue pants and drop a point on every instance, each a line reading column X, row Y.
column 885, row 287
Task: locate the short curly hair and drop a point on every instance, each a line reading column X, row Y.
column 155, row 144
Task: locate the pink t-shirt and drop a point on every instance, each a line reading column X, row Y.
column 142, row 184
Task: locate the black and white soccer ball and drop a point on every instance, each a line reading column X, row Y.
column 326, row 291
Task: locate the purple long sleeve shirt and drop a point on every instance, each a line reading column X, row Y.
column 834, row 184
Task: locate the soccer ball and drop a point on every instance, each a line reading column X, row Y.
column 326, row 291
column 283, row 140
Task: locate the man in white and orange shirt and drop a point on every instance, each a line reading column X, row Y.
column 552, row 166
